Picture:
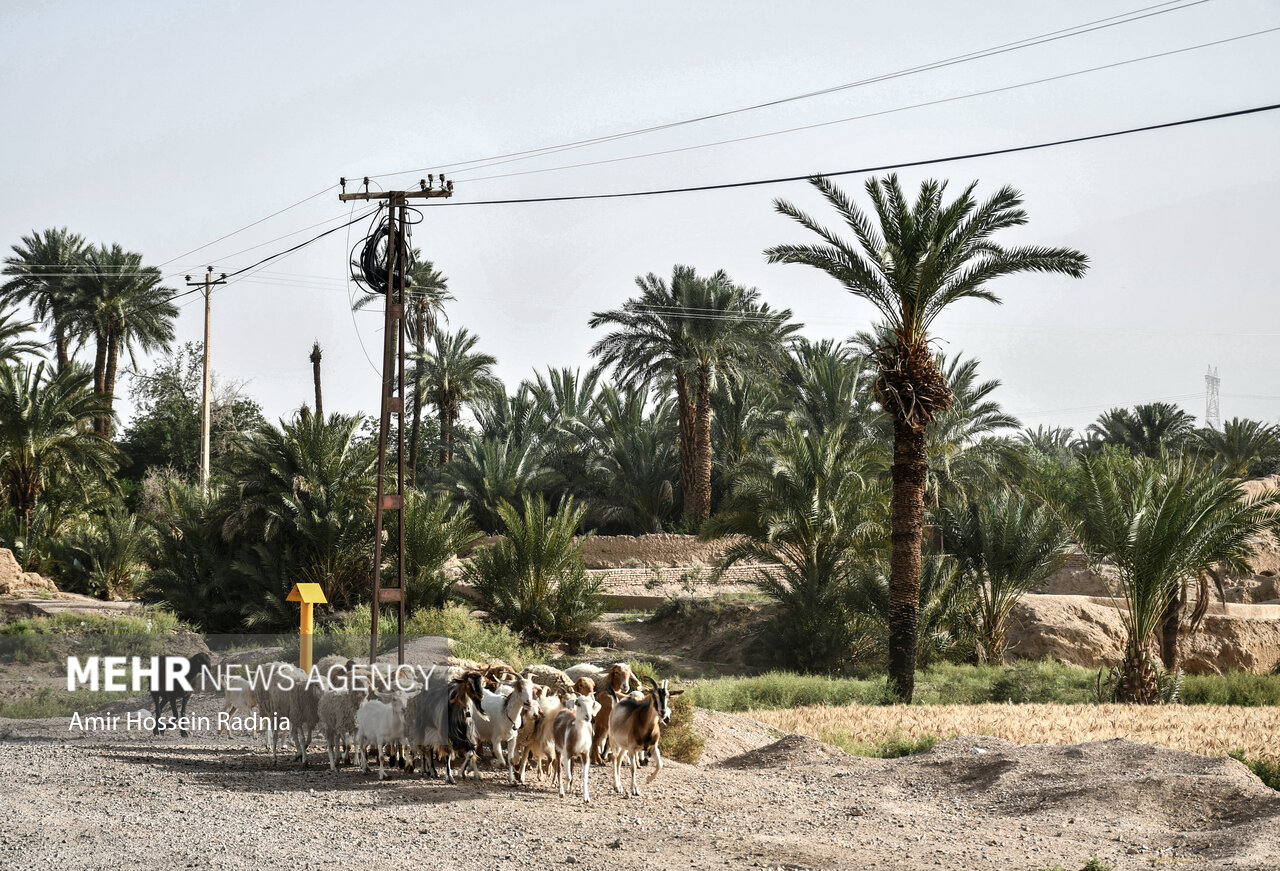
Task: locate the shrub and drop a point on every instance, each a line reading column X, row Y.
column 780, row 689
column 534, row 579
column 1233, row 688
column 679, row 739
column 433, row 535
column 1267, row 770
column 474, row 639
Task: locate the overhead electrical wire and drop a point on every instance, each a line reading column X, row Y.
column 1026, row 42
column 876, row 114
column 862, row 170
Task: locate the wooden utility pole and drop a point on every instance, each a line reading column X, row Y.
column 392, row 401
column 208, row 285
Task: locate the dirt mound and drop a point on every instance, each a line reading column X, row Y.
column 730, row 735
column 1087, row 631
column 696, row 636
column 785, row 752
column 15, row 582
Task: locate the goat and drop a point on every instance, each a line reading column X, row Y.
column 635, row 727
column 238, row 696
column 572, row 731
column 549, row 676
column 617, row 677
column 172, row 695
column 442, row 715
column 378, row 723
column 500, row 722
column 534, row 741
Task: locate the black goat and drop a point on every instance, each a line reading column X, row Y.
column 176, row 694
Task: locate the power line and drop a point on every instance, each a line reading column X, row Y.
column 877, row 114
column 1026, row 42
column 866, row 169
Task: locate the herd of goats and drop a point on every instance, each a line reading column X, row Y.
column 542, row 717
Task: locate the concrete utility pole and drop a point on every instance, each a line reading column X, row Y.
column 393, row 343
column 208, row 285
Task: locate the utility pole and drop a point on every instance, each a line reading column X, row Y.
column 208, row 285
column 392, row 400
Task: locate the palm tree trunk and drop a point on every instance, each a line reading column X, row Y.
column 907, row 518
column 446, row 435
column 60, row 344
column 1170, row 626
column 1138, row 681
column 99, row 361
column 702, row 445
column 109, row 382
column 685, row 415
column 315, row 376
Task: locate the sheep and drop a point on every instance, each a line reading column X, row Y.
column 635, row 727
column 500, row 720
column 442, row 715
column 549, row 676
column 572, row 731
column 288, row 695
column 238, row 696
column 336, row 670
column 337, row 710
column 380, row 724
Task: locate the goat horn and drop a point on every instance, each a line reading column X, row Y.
column 653, row 683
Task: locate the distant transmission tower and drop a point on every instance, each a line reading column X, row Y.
column 1211, row 384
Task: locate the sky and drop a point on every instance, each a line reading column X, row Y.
column 165, row 127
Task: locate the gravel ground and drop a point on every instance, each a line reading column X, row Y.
column 126, row 800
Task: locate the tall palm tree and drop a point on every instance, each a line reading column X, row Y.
column 121, row 304
column 426, row 292
column 634, row 461
column 1007, row 545
column 690, row 332
column 42, row 272
column 911, row 263
column 44, row 433
column 453, row 374
column 1242, row 447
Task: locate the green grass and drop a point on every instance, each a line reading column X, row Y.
column 893, row 747
column 1024, row 682
column 49, row 639
column 469, row 638
column 1268, row 772
column 50, row 702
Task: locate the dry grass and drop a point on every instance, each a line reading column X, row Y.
column 1211, row 730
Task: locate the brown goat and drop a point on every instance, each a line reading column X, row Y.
column 635, row 727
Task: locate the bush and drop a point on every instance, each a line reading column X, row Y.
column 106, row 555
column 473, row 639
column 1233, row 688
column 534, row 579
column 434, row 534
column 780, row 689
column 893, row 747
column 1267, row 770
column 48, row 639
column 679, row 739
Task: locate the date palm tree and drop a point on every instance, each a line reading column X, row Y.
column 453, row 373
column 1241, row 448
column 1166, row 524
column 42, row 272
column 45, row 435
column 913, row 262
column 689, row 333
column 1007, row 545
column 122, row 305
column 1144, row 429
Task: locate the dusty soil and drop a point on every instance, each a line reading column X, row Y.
column 135, row 801
column 694, row 637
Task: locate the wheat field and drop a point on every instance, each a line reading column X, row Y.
column 1208, row 729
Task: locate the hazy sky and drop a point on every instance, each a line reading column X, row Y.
column 164, row 126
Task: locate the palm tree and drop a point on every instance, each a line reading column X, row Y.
column 633, row 461
column 1242, row 448
column 122, row 305
column 919, row 260
column 1164, row 524
column 1007, row 545
column 452, row 374
column 44, row 433
column 490, row 471
column 107, row 555
column 811, row 504
column 690, row 333
column 43, row 269
column 825, row 384
column 434, row 534
column 1144, row 430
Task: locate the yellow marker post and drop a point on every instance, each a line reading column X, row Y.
column 308, row 595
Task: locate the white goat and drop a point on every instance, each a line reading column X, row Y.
column 535, row 742
column 572, row 729
column 500, row 720
column 381, row 724
column 238, row 697
column 337, row 712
